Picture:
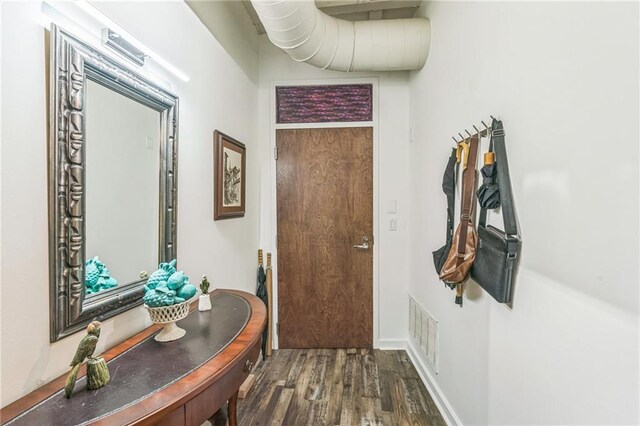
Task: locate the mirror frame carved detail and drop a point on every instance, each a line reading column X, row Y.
column 72, row 62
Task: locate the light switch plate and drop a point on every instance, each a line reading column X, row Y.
column 393, row 224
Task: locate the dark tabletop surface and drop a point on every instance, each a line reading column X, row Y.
column 147, row 367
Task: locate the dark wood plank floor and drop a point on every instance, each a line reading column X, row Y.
column 338, row 387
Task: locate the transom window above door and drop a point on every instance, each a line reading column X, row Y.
column 324, row 103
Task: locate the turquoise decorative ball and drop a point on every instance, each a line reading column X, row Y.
column 187, row 291
column 177, row 280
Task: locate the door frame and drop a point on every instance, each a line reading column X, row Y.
column 273, row 231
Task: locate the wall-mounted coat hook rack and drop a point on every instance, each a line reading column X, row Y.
column 480, row 133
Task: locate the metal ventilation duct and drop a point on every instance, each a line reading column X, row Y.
column 309, row 35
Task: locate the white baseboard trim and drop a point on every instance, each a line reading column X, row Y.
column 438, row 397
column 390, row 344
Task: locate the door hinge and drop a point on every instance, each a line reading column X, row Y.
column 275, row 152
column 277, row 329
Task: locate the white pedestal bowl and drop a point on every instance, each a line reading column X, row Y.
column 168, row 315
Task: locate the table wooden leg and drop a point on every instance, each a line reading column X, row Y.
column 220, row 417
column 227, row 412
column 233, row 410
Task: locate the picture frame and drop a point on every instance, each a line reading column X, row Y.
column 229, row 177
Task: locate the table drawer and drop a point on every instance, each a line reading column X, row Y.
column 174, row 418
column 207, row 402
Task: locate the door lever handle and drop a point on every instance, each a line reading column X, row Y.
column 364, row 245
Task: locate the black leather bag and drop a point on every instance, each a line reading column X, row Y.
column 497, row 250
column 449, row 188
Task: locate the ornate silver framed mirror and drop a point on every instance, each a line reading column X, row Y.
column 112, row 183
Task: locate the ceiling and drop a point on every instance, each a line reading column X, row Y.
column 353, row 10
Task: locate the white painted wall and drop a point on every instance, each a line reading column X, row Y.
column 564, row 78
column 391, row 184
column 219, row 95
column 230, row 24
column 122, row 197
column 1, row 198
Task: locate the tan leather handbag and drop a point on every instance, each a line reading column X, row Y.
column 457, row 267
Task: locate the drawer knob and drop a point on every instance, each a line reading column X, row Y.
column 248, row 365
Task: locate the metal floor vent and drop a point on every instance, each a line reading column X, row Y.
column 423, row 331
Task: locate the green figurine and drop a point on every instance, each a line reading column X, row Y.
column 97, row 373
column 204, row 285
column 204, row 301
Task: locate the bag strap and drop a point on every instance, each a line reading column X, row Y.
column 504, row 183
column 468, row 199
column 449, row 188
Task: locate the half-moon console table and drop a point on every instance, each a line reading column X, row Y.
column 183, row 382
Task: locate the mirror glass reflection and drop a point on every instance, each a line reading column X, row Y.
column 122, row 169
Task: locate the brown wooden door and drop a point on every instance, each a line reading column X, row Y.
column 325, row 207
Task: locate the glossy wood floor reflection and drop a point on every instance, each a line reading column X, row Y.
column 338, row 387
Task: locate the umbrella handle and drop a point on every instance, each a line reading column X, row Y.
column 489, row 158
column 259, row 257
column 463, row 147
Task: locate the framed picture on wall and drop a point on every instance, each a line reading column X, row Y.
column 229, row 156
